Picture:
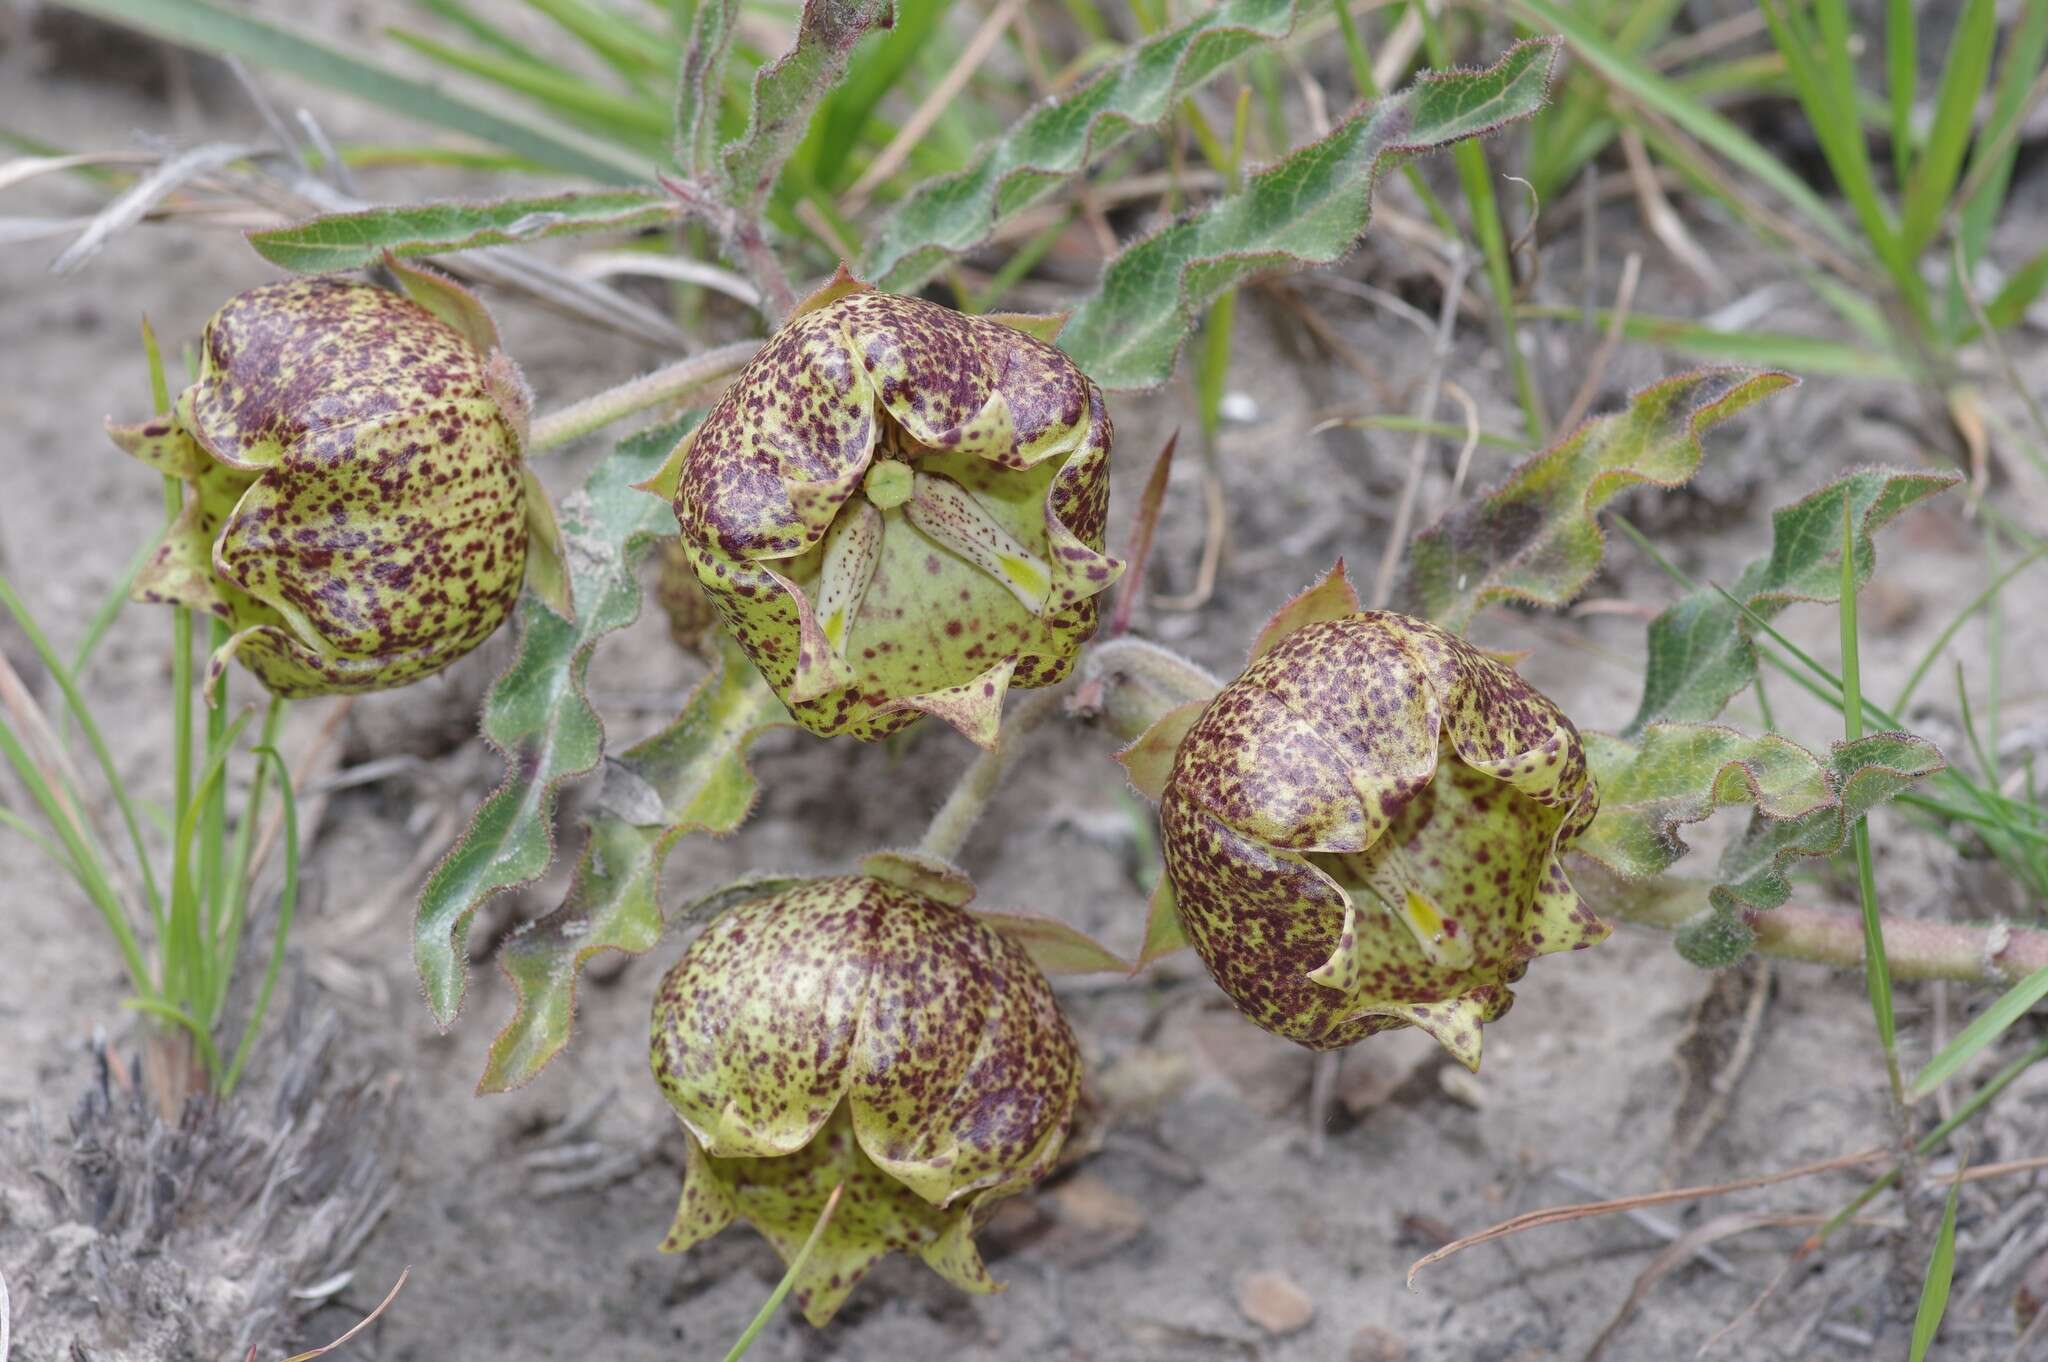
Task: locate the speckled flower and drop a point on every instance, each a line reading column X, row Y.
column 864, row 1031
column 898, row 509
column 1362, row 831
column 358, row 508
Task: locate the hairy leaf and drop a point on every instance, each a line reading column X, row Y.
column 228, row 33
column 1537, row 536
column 690, row 777
column 1802, row 806
column 789, row 88
column 1307, row 209
column 537, row 713
column 1701, row 653
column 348, row 241
column 1063, row 137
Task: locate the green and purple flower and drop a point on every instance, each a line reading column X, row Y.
column 898, row 510
column 864, row 1032
column 1363, row 831
column 358, row 509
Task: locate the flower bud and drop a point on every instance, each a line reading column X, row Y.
column 898, row 509
column 863, row 1031
column 358, row 510
column 1362, row 832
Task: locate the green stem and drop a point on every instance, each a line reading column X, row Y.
column 241, row 873
column 964, row 806
column 213, row 832
column 783, row 1287
column 672, row 383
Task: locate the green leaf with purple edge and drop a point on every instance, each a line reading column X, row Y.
column 537, row 713
column 1802, row 806
column 691, row 777
column 1308, row 209
column 1062, row 137
column 349, row 241
column 789, row 88
column 1537, row 536
column 1701, row 653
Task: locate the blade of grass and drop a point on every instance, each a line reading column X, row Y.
column 287, row 901
column 1483, row 206
column 75, row 705
column 222, row 32
column 1941, row 1267
column 1643, row 83
column 1902, row 80
column 1763, row 349
column 1967, row 1111
column 638, row 123
column 1876, row 969
column 165, row 1011
column 241, row 871
column 1984, row 1030
column 1965, row 71
column 783, row 1287
column 1997, row 148
column 1962, row 617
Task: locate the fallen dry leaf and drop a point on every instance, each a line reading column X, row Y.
column 1272, row 1301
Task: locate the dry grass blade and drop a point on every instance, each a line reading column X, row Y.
column 6, row 1335
column 1679, row 1251
column 932, row 109
column 1663, row 220
column 1142, row 531
column 1596, row 371
column 606, row 264
column 131, row 207
column 1558, row 1215
column 362, row 1324
column 1425, row 411
column 26, row 168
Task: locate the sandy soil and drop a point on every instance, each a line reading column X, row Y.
column 1202, row 1174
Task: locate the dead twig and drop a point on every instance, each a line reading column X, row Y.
column 1558, row 1215
column 361, row 1324
column 1143, row 528
column 1675, row 1256
column 1418, row 453
column 1596, row 370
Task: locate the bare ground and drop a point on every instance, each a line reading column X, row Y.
column 529, row 1221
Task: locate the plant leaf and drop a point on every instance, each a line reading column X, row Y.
column 1307, row 209
column 1802, row 807
column 1062, row 137
column 1055, row 947
column 1701, row 654
column 789, row 88
column 1536, row 537
column 537, row 713
column 348, row 241
column 225, row 33
column 690, row 777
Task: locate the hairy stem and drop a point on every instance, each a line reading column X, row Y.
column 1974, row 952
column 963, row 807
column 671, row 383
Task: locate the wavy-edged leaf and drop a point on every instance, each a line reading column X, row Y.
column 690, row 777
column 789, row 88
column 1063, row 137
column 1701, row 653
column 700, row 84
column 349, row 241
column 1537, row 536
column 1307, row 209
column 226, row 33
column 1802, row 806
column 537, row 713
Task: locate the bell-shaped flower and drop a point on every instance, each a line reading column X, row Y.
column 898, row 510
column 358, row 510
column 865, row 1032
column 1363, row 830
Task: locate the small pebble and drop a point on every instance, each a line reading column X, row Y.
column 1272, row 1301
column 1374, row 1344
